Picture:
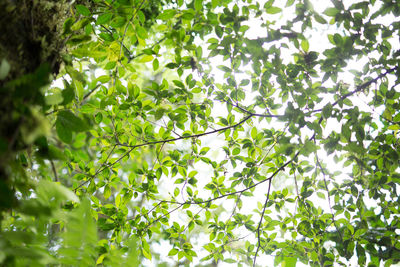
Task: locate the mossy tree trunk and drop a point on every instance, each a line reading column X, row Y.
column 31, row 45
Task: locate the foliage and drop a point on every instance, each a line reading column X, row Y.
column 174, row 122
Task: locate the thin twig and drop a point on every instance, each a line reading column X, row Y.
column 193, row 218
column 123, row 37
column 188, row 136
column 158, row 204
column 53, row 167
column 142, row 53
column 86, row 96
column 260, row 223
column 297, row 192
column 249, row 112
column 102, row 167
column 239, row 191
column 359, row 88
column 329, row 197
column 160, row 142
column 234, row 208
column 162, row 216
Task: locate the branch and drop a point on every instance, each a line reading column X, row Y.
column 188, row 136
column 329, row 197
column 360, row 88
column 86, row 96
column 100, row 169
column 162, row 216
column 153, row 208
column 157, row 142
column 255, row 114
column 127, row 25
column 53, row 167
column 240, row 191
column 225, row 195
column 142, row 53
column 234, row 208
column 260, row 222
column 297, row 191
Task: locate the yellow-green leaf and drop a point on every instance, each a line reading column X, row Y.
column 146, row 58
column 305, row 45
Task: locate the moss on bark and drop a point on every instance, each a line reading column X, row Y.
column 31, row 34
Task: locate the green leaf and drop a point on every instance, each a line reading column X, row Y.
column 360, row 134
column 83, row 10
column 173, row 252
column 178, row 83
column 88, row 108
column 63, row 132
column 236, row 151
column 100, row 259
column 50, row 190
column 103, row 78
column 141, row 32
column 289, row 262
column 55, row 97
column 156, row 64
column 70, row 121
column 305, row 45
column 289, row 3
column 319, row 19
column 68, row 94
column 331, row 11
column 273, row 10
column 79, row 89
column 198, row 4
column 167, row 14
column 254, row 133
column 4, row 69
column 146, row 58
column 394, row 127
column 98, row 117
column 107, row 191
column 146, row 250
column 327, row 110
column 104, row 18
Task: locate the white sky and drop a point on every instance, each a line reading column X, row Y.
column 318, row 42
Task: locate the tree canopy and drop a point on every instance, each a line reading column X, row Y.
column 200, row 133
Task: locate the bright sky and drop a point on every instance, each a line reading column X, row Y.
column 318, row 42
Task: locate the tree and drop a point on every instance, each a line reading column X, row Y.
column 219, row 130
